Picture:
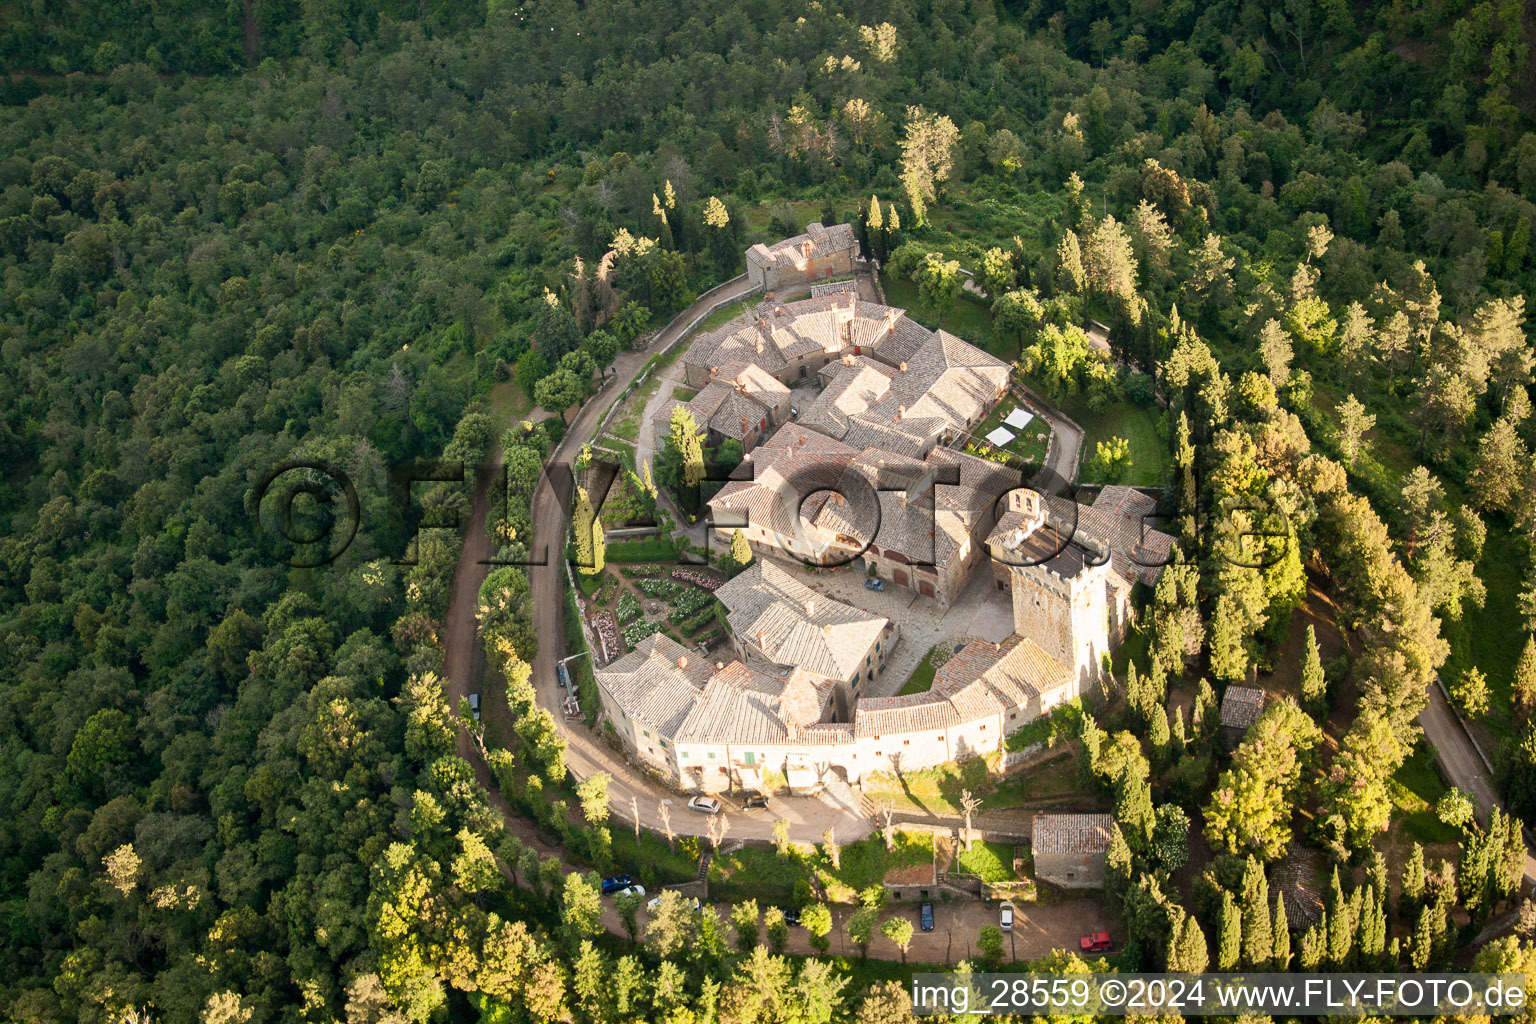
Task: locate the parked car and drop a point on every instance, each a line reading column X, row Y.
column 615, row 883
column 874, row 583
column 925, row 917
column 561, row 676
column 655, row 902
column 474, row 705
column 631, row 890
column 1005, row 917
column 755, row 800
column 792, row 917
column 704, row 805
column 1098, row 942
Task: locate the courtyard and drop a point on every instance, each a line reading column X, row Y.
column 981, row 610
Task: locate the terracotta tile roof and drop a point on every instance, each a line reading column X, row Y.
column 657, row 682
column 792, row 625
column 1071, row 833
column 824, row 241
column 1241, row 707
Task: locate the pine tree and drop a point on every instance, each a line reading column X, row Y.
column 1280, row 931
column 1229, row 936
column 1258, row 941
column 1314, row 685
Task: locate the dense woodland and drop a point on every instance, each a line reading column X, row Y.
column 242, row 234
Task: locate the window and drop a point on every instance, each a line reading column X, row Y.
column 663, row 744
column 683, row 755
column 647, row 734
column 906, row 743
column 711, row 755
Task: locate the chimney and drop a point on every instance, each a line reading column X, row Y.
column 890, row 316
column 778, row 310
column 682, row 661
column 810, row 607
column 901, row 411
column 743, row 424
column 903, row 366
column 719, row 665
column 805, row 248
column 759, row 639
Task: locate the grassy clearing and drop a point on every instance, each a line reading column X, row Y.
column 1492, row 637
column 1416, row 787
column 921, row 679
column 1149, row 457
column 727, row 313
column 992, row 861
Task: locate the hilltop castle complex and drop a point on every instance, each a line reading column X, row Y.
column 863, row 474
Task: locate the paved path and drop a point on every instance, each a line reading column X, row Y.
column 1461, row 762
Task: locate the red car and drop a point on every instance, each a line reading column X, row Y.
column 1098, row 942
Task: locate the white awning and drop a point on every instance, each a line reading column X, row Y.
column 1019, row 418
column 1000, row 436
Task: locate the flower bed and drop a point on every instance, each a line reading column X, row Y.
column 658, row 588
column 639, row 630
column 646, row 569
column 695, row 577
column 691, row 601
column 607, row 633
column 629, row 607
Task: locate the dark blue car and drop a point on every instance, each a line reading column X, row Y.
column 617, row 882
column 925, row 917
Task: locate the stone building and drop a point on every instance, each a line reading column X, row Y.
column 819, row 253
column 778, row 623
column 1241, row 706
column 1071, row 568
column 740, row 401
column 1069, row 849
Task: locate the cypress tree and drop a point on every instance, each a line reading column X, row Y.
column 1180, row 734
column 1133, row 689
column 1312, row 947
column 1187, row 951
column 1117, row 869
column 583, row 522
column 1229, row 936
column 1258, row 940
column 1280, row 930
column 1314, row 685
column 1341, row 927
column 1160, row 736
column 1423, row 940
column 1410, row 889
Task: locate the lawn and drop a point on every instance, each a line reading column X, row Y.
column 970, row 319
column 642, row 549
column 1416, row 787
column 938, row 790
column 649, row 859
column 727, row 313
column 992, row 861
column 1138, row 425
column 921, row 679
column 761, row 873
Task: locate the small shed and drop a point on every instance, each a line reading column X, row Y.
column 1241, row 706
column 1069, row 849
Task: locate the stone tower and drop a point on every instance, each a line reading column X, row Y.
column 1059, row 583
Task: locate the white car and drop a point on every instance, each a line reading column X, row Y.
column 631, row 890
column 704, row 805
column 656, row 902
column 1005, row 917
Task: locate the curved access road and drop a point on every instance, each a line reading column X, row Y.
column 631, row 790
